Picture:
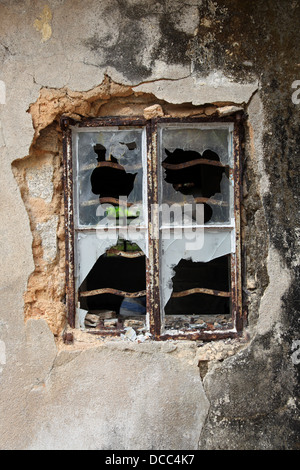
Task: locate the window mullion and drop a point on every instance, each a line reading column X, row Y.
column 153, row 285
column 236, row 257
column 69, row 222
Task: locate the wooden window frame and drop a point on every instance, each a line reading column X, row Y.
column 152, row 261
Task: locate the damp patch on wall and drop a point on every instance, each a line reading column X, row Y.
column 43, row 24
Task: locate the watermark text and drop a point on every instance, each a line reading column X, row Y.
column 167, row 222
column 296, row 94
column 2, row 92
column 296, row 354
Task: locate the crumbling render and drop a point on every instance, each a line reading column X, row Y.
column 40, row 179
column 39, row 176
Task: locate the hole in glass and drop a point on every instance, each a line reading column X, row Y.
column 109, row 179
column 193, row 174
column 200, row 295
column 115, row 287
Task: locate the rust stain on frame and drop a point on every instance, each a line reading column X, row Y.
column 69, row 220
column 153, row 291
column 153, row 272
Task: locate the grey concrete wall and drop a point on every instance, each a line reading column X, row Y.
column 113, row 394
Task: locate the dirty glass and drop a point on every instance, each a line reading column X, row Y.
column 111, row 282
column 195, row 169
column 193, row 224
column 109, row 173
column 111, row 231
column 195, row 276
column 195, row 258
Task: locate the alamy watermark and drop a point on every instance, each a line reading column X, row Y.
column 2, row 92
column 296, row 354
column 167, row 222
column 296, row 94
column 2, row 353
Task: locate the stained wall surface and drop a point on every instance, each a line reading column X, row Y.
column 117, row 57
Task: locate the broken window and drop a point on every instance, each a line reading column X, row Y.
column 152, row 226
column 197, row 163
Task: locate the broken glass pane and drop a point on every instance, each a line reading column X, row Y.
column 196, row 139
column 195, row 170
column 111, row 282
column 220, row 203
column 196, row 281
column 109, row 167
column 199, row 288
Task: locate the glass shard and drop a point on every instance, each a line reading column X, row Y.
column 108, row 166
column 177, row 262
column 112, row 280
column 195, row 168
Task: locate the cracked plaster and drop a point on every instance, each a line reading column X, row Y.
column 59, row 63
column 185, row 353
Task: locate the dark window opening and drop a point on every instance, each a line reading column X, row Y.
column 110, row 179
column 116, row 284
column 201, row 291
column 200, row 176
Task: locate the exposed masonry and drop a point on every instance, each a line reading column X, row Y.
column 40, row 180
column 39, row 176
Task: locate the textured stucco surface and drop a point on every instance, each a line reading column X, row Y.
column 116, row 395
column 117, row 406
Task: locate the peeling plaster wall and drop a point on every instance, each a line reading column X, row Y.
column 120, row 57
